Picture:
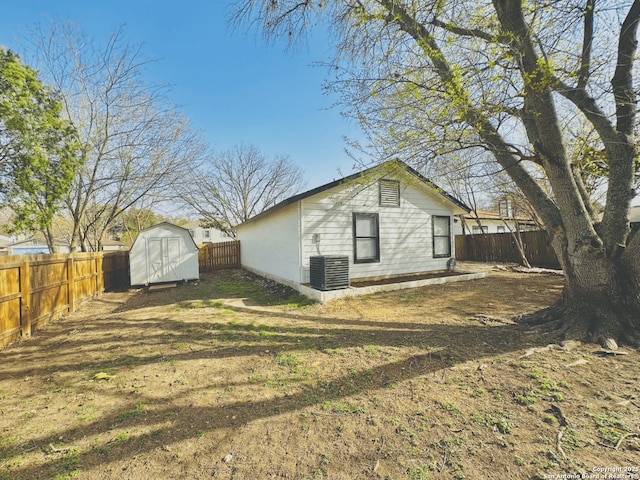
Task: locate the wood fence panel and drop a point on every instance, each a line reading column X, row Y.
column 214, row 256
column 115, row 270
column 501, row 247
column 10, row 303
column 49, row 289
column 25, row 299
column 35, row 289
column 84, row 282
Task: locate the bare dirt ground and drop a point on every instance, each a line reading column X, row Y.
column 230, row 378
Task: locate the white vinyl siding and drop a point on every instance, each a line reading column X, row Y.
column 270, row 245
column 405, row 233
column 475, row 230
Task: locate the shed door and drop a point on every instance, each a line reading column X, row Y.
column 163, row 259
column 172, row 260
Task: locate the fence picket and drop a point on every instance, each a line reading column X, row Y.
column 35, row 289
column 214, row 256
column 501, row 247
column 45, row 287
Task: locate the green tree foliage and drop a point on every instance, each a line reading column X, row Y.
column 131, row 222
column 37, row 147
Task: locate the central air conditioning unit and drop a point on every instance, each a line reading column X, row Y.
column 329, row 272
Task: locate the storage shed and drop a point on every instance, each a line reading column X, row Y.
column 163, row 253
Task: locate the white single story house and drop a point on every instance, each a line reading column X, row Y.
column 163, row 253
column 389, row 220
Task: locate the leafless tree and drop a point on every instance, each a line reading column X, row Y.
column 232, row 186
column 133, row 143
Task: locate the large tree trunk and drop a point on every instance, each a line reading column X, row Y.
column 601, row 298
column 51, row 243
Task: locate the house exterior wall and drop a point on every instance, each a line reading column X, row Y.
column 405, row 231
column 271, row 245
column 163, row 253
column 208, row 235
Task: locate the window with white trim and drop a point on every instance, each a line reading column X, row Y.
column 366, row 238
column 475, row 229
column 441, row 237
column 389, row 193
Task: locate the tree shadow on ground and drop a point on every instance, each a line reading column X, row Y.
column 117, row 344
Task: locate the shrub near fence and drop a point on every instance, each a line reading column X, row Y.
column 501, row 247
column 35, row 289
column 214, row 256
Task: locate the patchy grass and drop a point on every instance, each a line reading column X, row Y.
column 236, row 377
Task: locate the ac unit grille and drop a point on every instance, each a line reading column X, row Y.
column 329, row 272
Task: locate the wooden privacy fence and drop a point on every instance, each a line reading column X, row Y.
column 35, row 289
column 115, row 270
column 213, row 256
column 501, row 247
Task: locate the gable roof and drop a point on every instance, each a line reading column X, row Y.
column 479, row 214
column 406, row 168
column 183, row 230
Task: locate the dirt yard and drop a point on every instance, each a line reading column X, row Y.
column 233, row 378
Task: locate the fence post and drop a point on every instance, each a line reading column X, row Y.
column 71, row 278
column 99, row 274
column 25, row 300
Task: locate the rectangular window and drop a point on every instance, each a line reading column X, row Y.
column 475, row 230
column 207, row 233
column 366, row 238
column 501, row 229
column 389, row 193
column 441, row 237
column 505, row 208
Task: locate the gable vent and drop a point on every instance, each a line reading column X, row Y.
column 389, row 193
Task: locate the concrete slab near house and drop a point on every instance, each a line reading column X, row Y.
column 326, row 296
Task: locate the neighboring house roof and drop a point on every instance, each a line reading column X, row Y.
column 192, row 224
column 37, row 239
column 26, row 241
column 489, row 215
column 110, row 242
column 404, row 167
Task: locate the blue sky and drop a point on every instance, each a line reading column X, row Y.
column 229, row 83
